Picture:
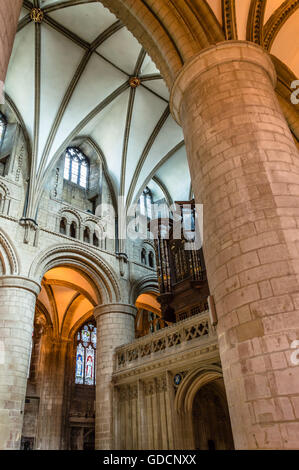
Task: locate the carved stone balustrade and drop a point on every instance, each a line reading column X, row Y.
column 194, row 335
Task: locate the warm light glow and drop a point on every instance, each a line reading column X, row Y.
column 149, row 302
column 68, row 296
column 73, row 276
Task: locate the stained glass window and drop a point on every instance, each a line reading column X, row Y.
column 2, row 127
column 76, row 167
column 86, row 355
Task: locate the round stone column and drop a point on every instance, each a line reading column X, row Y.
column 52, row 397
column 17, row 307
column 9, row 14
column 115, row 327
column 244, row 167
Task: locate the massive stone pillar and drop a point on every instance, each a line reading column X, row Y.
column 9, row 15
column 17, row 306
column 52, row 395
column 245, row 170
column 115, row 326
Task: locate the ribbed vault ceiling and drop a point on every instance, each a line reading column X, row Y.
column 69, row 76
column 67, row 297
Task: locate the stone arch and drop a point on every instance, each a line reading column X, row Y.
column 40, row 308
column 9, row 260
column 93, row 220
column 62, row 225
column 4, row 198
column 147, row 284
column 96, row 228
column 74, row 229
column 191, row 384
column 4, row 189
column 151, row 259
column 71, row 215
column 90, row 264
column 87, row 234
column 143, row 259
column 149, row 246
column 71, row 218
column 171, row 33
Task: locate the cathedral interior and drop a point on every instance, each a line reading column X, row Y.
column 149, row 224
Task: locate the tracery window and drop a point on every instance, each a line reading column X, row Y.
column 145, row 202
column 3, row 125
column 76, row 167
column 86, row 355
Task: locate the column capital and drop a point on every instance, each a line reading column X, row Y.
column 126, row 309
column 20, row 282
column 213, row 56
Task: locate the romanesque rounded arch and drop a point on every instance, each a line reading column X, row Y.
column 4, row 197
column 82, row 259
column 146, row 284
column 192, row 383
column 9, row 260
column 4, row 189
column 70, row 214
column 94, row 224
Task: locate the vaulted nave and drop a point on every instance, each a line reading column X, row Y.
column 149, row 224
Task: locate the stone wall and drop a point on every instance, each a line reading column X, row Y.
column 151, row 378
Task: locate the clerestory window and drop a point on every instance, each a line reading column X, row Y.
column 76, row 167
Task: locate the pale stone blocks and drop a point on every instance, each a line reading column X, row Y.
column 16, row 313
column 115, row 327
column 250, row 240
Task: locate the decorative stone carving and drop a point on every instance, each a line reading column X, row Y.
column 31, row 231
column 134, row 82
column 193, row 328
column 256, row 21
column 229, row 16
column 277, row 20
column 37, row 15
column 20, row 162
column 12, row 265
column 149, row 387
column 56, row 182
column 161, row 385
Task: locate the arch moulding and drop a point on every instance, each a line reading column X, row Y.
column 171, row 32
column 195, row 380
column 146, row 284
column 79, row 258
column 8, row 256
